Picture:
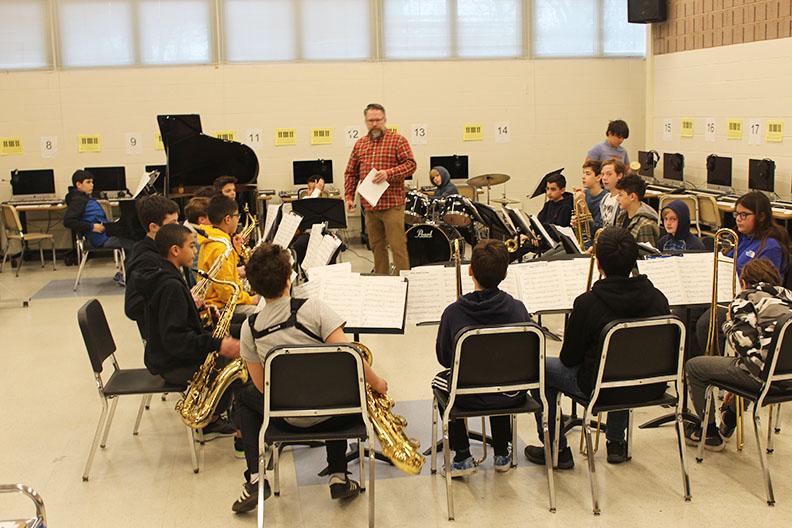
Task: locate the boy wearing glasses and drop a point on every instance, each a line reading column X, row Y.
column 224, row 216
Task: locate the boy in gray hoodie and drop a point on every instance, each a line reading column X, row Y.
column 635, row 216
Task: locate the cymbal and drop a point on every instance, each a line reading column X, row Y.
column 488, row 179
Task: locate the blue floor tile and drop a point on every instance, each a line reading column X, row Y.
column 89, row 287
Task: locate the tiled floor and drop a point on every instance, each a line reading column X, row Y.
column 51, row 409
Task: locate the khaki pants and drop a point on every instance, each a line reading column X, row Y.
column 385, row 228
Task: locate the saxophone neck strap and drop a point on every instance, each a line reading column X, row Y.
column 292, row 321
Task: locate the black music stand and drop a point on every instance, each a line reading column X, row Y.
column 541, row 187
column 319, row 210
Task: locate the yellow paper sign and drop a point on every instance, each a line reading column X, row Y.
column 89, row 143
column 687, row 128
column 775, row 131
column 10, row 145
column 158, row 142
column 394, row 128
column 321, row 136
column 285, row 137
column 227, row 135
column 734, row 129
column 472, row 133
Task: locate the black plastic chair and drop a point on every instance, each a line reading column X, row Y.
column 308, row 382
column 635, row 353
column 122, row 382
column 490, row 360
column 777, row 370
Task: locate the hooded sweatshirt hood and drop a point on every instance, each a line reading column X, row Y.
column 487, row 306
column 683, row 216
column 445, row 188
column 623, row 296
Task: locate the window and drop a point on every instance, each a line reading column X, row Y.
column 24, row 34
column 335, row 29
column 581, row 28
column 489, row 28
column 175, row 32
column 260, row 30
column 96, row 33
column 416, row 29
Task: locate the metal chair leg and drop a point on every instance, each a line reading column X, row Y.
column 434, row 436
column 109, row 422
column 770, row 428
column 557, row 429
column 778, row 419
column 705, row 423
column 193, row 452
column 680, row 434
column 763, row 458
column 371, row 479
column 630, row 435
column 276, row 466
column 5, row 254
column 140, row 414
column 148, row 402
column 447, row 458
column 591, row 466
column 95, row 442
column 80, row 269
column 262, row 467
column 513, row 420
column 53, row 254
column 361, row 458
column 41, row 253
column 21, row 258
column 548, row 462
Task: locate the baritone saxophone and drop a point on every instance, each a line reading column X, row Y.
column 209, row 383
column 403, row 452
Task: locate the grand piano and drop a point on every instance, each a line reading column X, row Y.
column 195, row 159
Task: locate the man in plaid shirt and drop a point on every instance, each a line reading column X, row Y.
column 390, row 154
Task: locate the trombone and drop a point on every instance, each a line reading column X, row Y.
column 725, row 239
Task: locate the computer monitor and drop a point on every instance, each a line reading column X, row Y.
column 108, row 179
column 761, row 175
column 719, row 172
column 305, row 169
column 160, row 183
column 648, row 160
column 457, row 166
column 33, row 184
column 673, row 166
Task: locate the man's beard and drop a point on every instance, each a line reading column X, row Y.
column 375, row 132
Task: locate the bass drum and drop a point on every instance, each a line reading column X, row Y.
column 458, row 211
column 427, row 244
column 416, row 208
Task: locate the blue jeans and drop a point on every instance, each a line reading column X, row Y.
column 563, row 379
column 114, row 242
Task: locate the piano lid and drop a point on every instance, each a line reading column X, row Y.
column 195, row 159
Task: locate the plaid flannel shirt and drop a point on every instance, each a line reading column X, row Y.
column 389, row 152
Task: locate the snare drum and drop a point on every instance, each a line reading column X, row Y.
column 416, row 208
column 457, row 210
column 428, row 243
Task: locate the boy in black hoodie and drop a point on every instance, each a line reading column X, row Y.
column 484, row 306
column 154, row 212
column 615, row 296
column 442, row 181
column 557, row 209
column 676, row 220
column 177, row 344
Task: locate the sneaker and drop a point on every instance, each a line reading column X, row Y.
column 728, row 422
column 119, row 278
column 503, row 463
column 713, row 442
column 617, row 451
column 536, row 454
column 218, row 429
column 343, row 487
column 249, row 498
column 461, row 468
column 239, row 447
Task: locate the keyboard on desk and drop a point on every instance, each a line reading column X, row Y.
column 665, row 188
column 34, row 205
column 288, row 194
column 727, row 198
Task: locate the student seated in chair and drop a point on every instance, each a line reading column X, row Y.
column 615, row 296
column 751, row 321
column 154, row 212
column 176, row 342
column 441, row 178
column 316, row 186
column 287, row 321
column 676, row 220
column 85, row 216
column 635, row 216
column 486, row 305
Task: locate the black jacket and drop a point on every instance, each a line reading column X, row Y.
column 144, row 256
column 557, row 213
column 176, row 337
column 76, row 200
column 609, row 299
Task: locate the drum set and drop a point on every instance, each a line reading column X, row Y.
column 434, row 223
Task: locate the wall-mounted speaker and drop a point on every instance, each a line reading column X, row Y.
column 646, row 11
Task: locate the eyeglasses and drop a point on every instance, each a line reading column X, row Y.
column 233, row 215
column 741, row 216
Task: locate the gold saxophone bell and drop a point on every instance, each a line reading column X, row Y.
column 403, row 452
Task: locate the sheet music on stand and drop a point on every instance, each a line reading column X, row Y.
column 286, row 229
column 321, row 249
column 368, row 303
column 686, row 279
column 272, row 220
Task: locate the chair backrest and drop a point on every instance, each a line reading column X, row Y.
column 108, row 209
column 708, row 211
column 305, row 192
column 468, row 191
column 692, row 203
column 497, row 358
column 311, row 380
column 778, row 364
column 638, row 352
column 11, row 218
column 96, row 333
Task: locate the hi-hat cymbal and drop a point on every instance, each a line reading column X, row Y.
column 488, row 179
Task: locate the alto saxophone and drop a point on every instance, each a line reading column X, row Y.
column 204, row 390
column 403, row 452
column 202, row 286
column 250, row 225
